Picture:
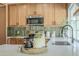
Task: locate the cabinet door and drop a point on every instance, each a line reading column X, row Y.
column 48, row 14
column 2, row 25
column 60, row 14
column 15, row 41
column 40, row 9
column 22, row 14
column 13, row 15
column 20, row 41
column 51, row 13
column 31, row 9
column 12, row 41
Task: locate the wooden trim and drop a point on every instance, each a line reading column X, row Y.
column 6, row 21
column 2, row 6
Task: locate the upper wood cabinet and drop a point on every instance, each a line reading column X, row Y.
column 13, row 15
column 19, row 12
column 40, row 9
column 48, row 14
column 22, row 14
column 60, row 14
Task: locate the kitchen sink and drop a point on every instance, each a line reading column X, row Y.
column 61, row 43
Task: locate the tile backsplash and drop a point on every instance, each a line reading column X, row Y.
column 23, row 31
column 57, row 31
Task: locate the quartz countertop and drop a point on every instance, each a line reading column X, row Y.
column 53, row 50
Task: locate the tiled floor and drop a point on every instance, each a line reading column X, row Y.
column 53, row 50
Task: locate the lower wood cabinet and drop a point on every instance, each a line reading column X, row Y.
column 2, row 41
column 20, row 41
column 15, row 41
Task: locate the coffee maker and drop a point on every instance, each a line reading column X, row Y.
column 29, row 41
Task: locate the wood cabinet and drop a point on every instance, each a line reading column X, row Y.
column 19, row 12
column 12, row 41
column 2, row 25
column 40, row 9
column 60, row 14
column 31, row 9
column 51, row 12
column 48, row 14
column 22, row 11
column 13, row 15
column 15, row 41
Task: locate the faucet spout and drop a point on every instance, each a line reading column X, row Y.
column 71, row 30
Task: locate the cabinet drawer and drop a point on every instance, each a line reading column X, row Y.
column 15, row 41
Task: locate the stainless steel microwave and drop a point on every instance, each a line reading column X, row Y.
column 35, row 20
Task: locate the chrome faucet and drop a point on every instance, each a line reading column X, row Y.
column 62, row 30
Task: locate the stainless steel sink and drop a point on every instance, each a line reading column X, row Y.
column 61, row 43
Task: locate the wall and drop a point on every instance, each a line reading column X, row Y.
column 2, row 25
